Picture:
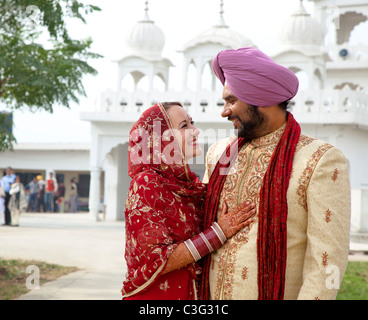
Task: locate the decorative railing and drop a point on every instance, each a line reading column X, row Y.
column 346, row 104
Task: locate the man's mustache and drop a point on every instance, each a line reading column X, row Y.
column 231, row 118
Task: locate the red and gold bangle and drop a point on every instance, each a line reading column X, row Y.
column 206, row 242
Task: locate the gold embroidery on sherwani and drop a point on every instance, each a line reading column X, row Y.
column 335, row 174
column 328, row 215
column 304, row 141
column 307, row 173
column 244, row 275
column 312, row 163
column 244, row 184
column 324, row 259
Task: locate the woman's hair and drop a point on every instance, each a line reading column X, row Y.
column 168, row 105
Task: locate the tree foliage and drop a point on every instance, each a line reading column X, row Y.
column 37, row 72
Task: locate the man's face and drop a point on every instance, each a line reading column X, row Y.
column 248, row 120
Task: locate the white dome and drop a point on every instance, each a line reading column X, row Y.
column 146, row 38
column 220, row 34
column 302, row 31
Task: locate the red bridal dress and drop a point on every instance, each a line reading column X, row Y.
column 164, row 208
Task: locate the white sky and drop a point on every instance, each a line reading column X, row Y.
column 180, row 20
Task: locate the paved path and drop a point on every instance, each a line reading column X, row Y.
column 97, row 248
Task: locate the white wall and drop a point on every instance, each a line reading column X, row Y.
column 49, row 160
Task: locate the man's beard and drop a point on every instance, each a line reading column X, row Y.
column 254, row 127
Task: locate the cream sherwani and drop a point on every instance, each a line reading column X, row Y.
column 318, row 220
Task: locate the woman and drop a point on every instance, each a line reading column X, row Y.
column 17, row 202
column 164, row 209
column 73, row 193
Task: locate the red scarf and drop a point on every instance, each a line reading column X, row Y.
column 164, row 208
column 272, row 213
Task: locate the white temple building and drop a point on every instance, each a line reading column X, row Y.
column 332, row 103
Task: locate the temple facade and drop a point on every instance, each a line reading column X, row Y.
column 332, row 103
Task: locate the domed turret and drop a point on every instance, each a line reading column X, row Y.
column 220, row 34
column 146, row 38
column 301, row 31
column 201, row 49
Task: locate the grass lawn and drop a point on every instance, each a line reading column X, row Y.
column 13, row 276
column 354, row 286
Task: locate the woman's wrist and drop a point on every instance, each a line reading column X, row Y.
column 206, row 242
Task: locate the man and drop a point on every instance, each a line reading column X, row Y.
column 34, row 188
column 297, row 247
column 41, row 195
column 7, row 180
column 50, row 188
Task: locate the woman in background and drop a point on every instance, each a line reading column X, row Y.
column 18, row 201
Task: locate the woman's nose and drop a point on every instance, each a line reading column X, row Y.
column 194, row 131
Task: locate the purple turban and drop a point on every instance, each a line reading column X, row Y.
column 254, row 77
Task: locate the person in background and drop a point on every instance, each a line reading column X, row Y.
column 59, row 197
column 7, row 180
column 73, row 206
column 41, row 195
column 17, row 202
column 2, row 199
column 33, row 188
column 51, row 188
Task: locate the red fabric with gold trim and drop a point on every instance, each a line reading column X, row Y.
column 164, row 208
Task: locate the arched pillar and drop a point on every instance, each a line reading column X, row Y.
column 94, row 193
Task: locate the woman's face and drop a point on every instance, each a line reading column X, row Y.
column 185, row 132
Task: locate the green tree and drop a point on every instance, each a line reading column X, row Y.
column 37, row 72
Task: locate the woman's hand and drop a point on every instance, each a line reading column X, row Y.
column 232, row 222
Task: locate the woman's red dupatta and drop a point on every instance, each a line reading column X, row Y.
column 164, row 208
column 272, row 213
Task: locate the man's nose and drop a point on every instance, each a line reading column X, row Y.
column 225, row 111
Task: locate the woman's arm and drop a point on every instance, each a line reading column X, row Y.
column 230, row 224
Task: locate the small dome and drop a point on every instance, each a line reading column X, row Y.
column 301, row 30
column 146, row 38
column 222, row 34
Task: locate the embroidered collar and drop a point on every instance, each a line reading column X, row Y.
column 271, row 138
